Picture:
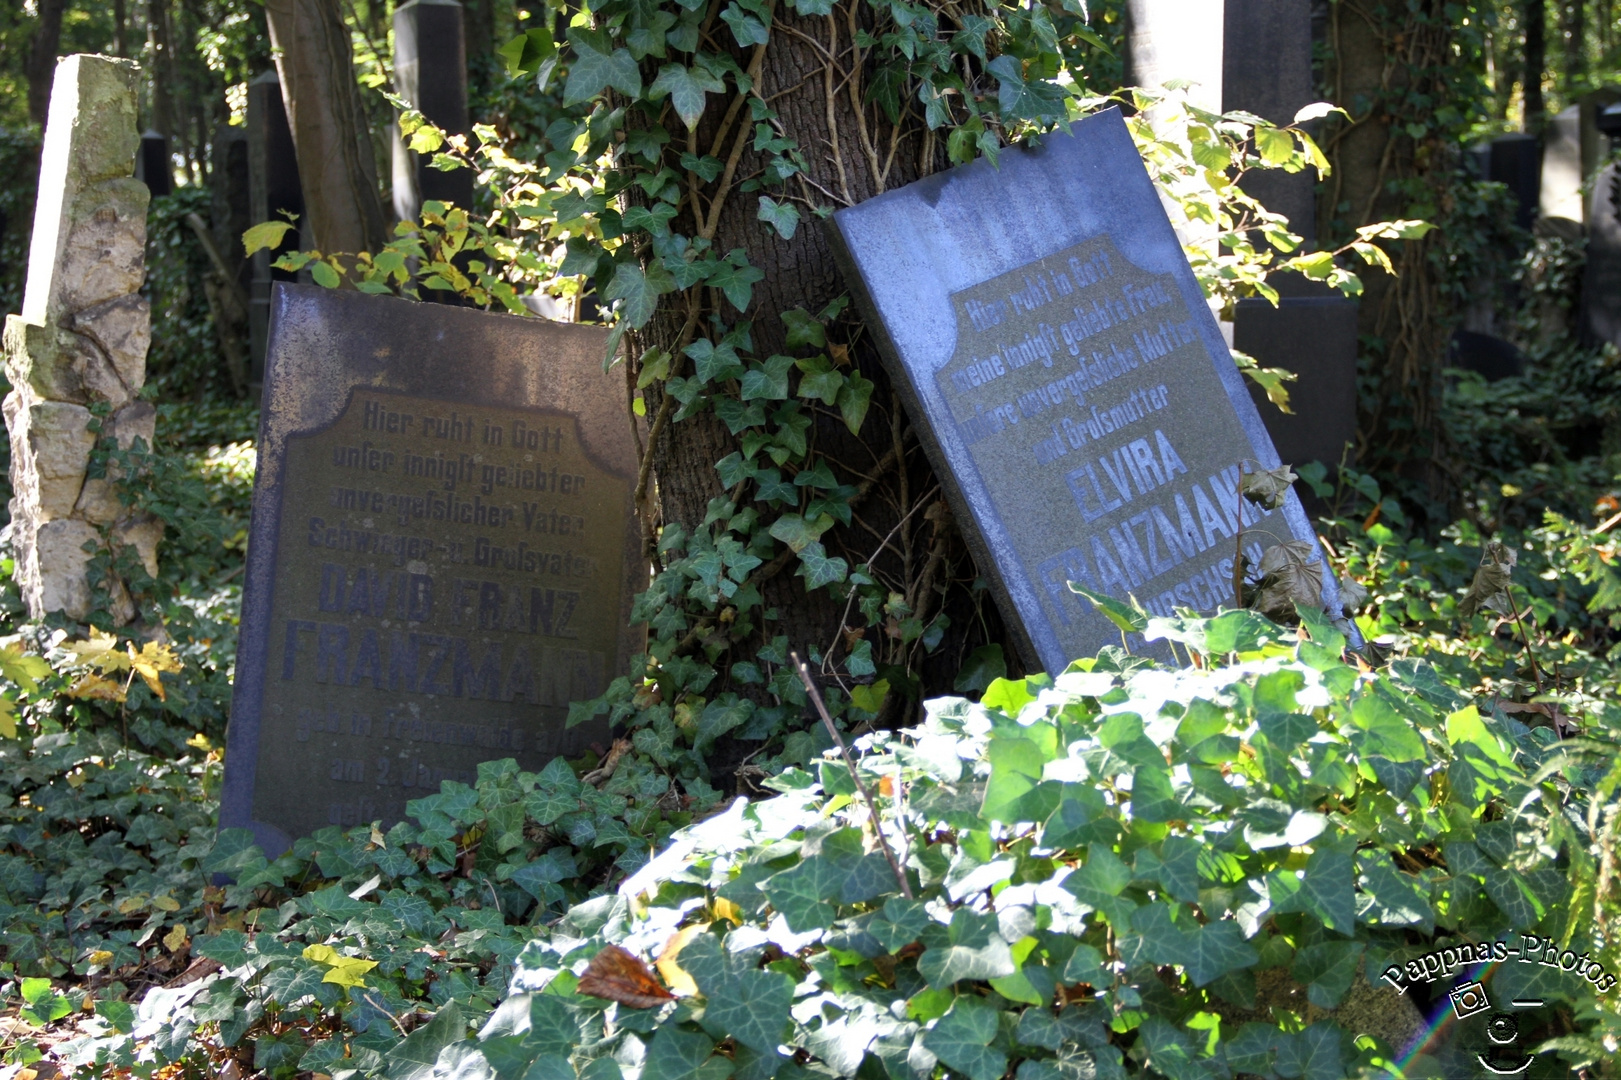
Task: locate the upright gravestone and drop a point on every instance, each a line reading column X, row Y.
column 1312, row 330
column 231, row 199
column 1516, row 161
column 430, row 70
column 152, row 165
column 1601, row 279
column 1069, row 382
column 1561, row 190
column 1267, row 70
column 443, row 554
column 76, row 356
column 273, row 192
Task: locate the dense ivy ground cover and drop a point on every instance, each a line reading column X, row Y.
column 1190, row 870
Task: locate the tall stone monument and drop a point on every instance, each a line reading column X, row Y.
column 1600, row 317
column 273, row 191
column 1561, row 193
column 79, row 343
column 1256, row 56
column 430, row 70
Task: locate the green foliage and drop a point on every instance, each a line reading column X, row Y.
column 1108, row 870
column 184, row 359
column 19, row 177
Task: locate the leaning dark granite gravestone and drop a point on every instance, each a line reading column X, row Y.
column 1069, row 382
column 442, row 556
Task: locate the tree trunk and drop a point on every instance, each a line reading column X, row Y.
column 336, row 165
column 901, row 525
column 1536, row 63
column 42, row 58
column 1382, row 61
column 1574, row 28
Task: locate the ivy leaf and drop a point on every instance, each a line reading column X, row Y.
column 686, row 88
column 414, row 1057
column 804, row 329
column 1327, row 970
column 783, row 216
column 747, row 29
column 768, row 380
column 854, row 397
column 638, row 289
column 801, row 893
column 342, row 970
column 1325, row 888
column 1152, row 796
column 900, row 923
column 524, row 54
column 1313, row 1054
column 751, row 1006
column 1215, row 949
column 678, row 1053
column 1514, row 898
column 962, row 1039
column 1099, row 883
column 970, row 947
column 1016, row 766
column 714, row 363
column 737, row 282
column 597, row 66
column 818, row 568
column 1389, row 897
column 1022, row 99
column 771, row 487
column 1125, row 616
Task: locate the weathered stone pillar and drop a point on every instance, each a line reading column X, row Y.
column 77, row 353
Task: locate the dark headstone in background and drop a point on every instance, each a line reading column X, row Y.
column 1068, row 381
column 1485, row 354
column 273, row 187
column 430, row 71
column 1516, row 160
column 443, row 554
column 1266, row 70
column 231, row 202
column 1314, row 337
column 152, row 165
column 1311, row 331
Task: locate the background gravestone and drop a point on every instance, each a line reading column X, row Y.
column 79, row 347
column 1601, row 280
column 442, row 558
column 273, row 188
column 1515, row 160
column 152, row 165
column 1561, row 189
column 1256, row 56
column 430, row 70
column 1069, row 382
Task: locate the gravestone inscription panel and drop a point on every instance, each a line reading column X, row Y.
column 1069, row 382
column 442, row 556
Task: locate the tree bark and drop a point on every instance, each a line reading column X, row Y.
column 336, row 165
column 1574, row 28
column 1382, row 60
column 812, row 73
column 1536, row 63
column 42, row 58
